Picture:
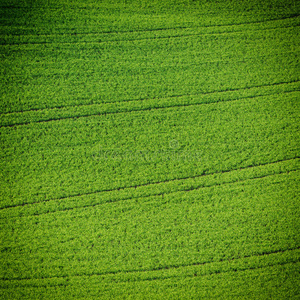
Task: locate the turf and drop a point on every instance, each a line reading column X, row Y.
column 149, row 149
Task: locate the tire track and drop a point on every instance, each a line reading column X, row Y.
column 148, row 184
column 209, row 274
column 144, row 196
column 164, row 29
column 266, row 253
column 146, row 108
column 156, row 98
column 143, row 109
column 139, row 39
column 293, row 16
column 169, row 277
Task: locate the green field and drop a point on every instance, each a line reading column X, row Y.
column 149, row 149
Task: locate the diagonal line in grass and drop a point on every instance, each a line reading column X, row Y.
column 148, row 184
column 134, row 197
column 156, row 29
column 146, row 108
column 265, row 253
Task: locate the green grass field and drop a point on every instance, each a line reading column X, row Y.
column 149, row 149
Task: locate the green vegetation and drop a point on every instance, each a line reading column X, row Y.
column 149, row 149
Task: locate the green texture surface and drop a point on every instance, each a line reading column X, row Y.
column 149, row 149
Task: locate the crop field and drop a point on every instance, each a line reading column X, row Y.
column 149, row 149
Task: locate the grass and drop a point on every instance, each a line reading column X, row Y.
column 149, row 150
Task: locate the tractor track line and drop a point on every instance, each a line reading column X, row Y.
column 143, row 109
column 139, row 197
column 140, row 39
column 156, row 98
column 149, row 184
column 159, row 268
column 140, row 109
column 293, row 16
